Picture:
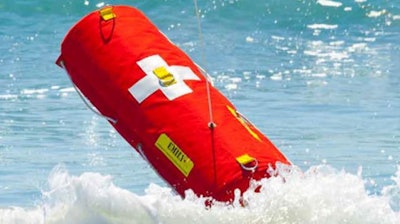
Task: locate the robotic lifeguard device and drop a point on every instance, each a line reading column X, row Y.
column 164, row 105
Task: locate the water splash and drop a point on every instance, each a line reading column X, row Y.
column 319, row 195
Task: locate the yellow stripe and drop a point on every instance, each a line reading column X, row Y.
column 243, row 122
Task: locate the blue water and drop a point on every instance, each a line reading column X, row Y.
column 320, row 78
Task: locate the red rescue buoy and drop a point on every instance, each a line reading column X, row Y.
column 157, row 98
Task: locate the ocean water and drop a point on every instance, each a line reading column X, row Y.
column 320, row 78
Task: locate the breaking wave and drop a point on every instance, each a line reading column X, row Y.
column 322, row 194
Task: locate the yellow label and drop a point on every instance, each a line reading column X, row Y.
column 174, row 154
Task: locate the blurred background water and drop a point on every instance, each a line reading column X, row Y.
column 320, row 78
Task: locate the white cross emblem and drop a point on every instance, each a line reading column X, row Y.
column 151, row 82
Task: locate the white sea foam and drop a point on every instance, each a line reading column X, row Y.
column 276, row 77
column 231, row 86
column 347, row 9
column 34, row 91
column 8, row 97
column 322, row 26
column 374, row 14
column 329, row 3
column 249, row 39
column 67, row 90
column 357, row 47
column 319, row 195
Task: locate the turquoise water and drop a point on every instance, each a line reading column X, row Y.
column 320, row 78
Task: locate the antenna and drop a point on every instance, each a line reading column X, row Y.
column 211, row 123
